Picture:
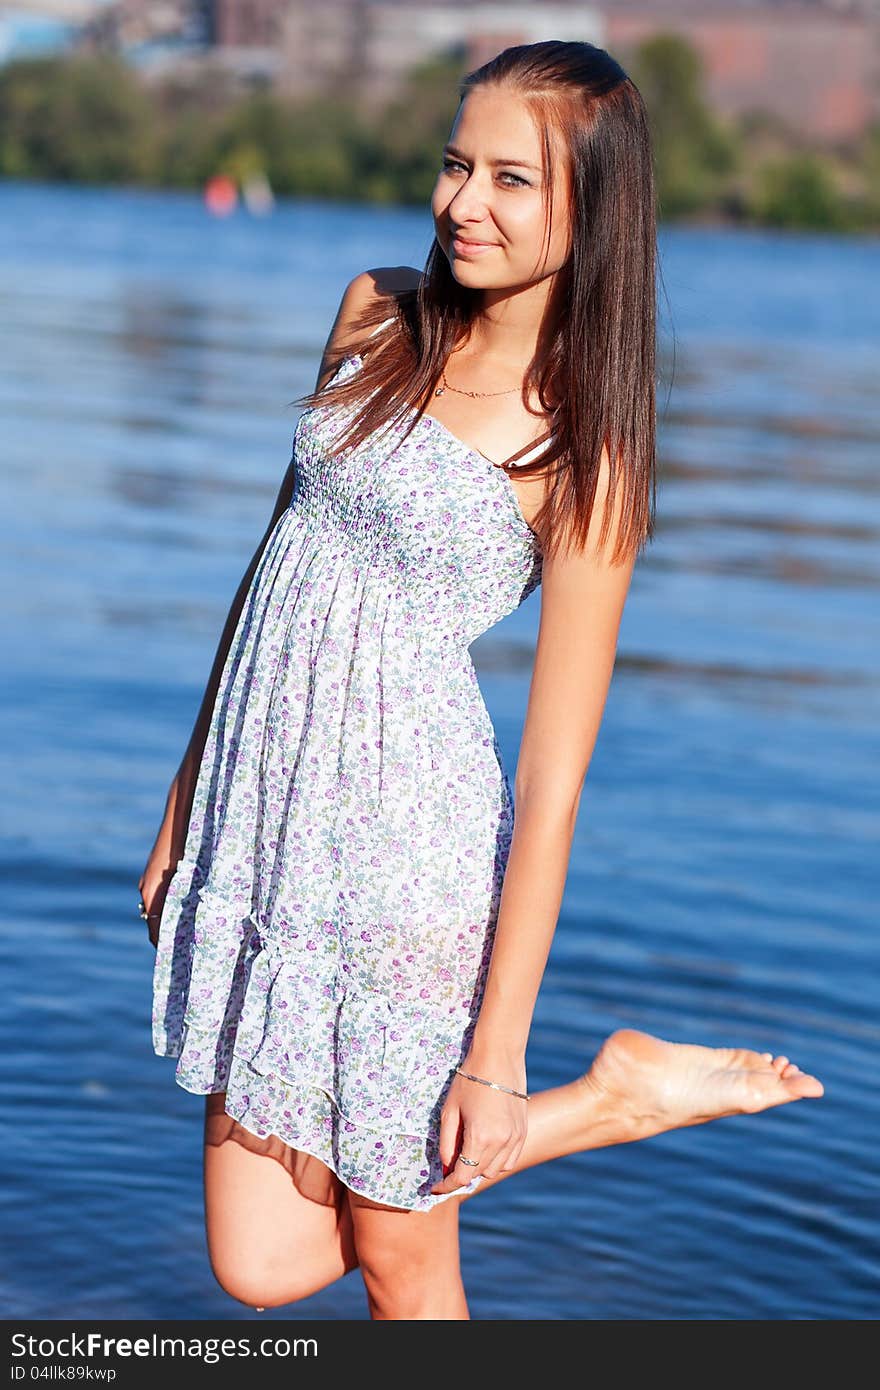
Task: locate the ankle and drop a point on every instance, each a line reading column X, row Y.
column 607, row 1118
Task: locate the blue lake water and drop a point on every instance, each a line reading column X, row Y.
column 724, row 879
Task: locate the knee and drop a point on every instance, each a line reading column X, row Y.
column 260, row 1284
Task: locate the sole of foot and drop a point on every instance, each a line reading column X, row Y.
column 663, row 1085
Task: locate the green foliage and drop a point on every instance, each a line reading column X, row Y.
column 80, row 119
column 693, row 152
column 310, row 147
column 798, row 191
column 412, row 130
column 869, row 166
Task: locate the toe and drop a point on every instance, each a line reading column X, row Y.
column 762, row 1090
column 803, row 1086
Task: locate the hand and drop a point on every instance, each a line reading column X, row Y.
column 485, row 1125
column 153, row 884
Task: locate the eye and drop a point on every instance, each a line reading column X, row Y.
column 450, row 166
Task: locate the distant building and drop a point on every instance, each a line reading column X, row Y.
column 387, row 38
column 153, row 35
column 37, row 28
column 815, row 66
column 249, row 23
column 304, row 47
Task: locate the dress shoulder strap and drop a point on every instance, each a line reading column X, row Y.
column 527, row 453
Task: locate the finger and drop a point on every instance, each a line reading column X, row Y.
column 469, row 1159
column 516, row 1155
column 459, row 1174
column 510, row 1158
column 450, row 1122
column 502, row 1161
column 457, row 1178
column 495, row 1165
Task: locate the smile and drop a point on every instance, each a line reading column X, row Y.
column 470, row 248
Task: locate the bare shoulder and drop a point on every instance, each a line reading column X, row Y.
column 364, row 297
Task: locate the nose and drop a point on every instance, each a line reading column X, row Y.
column 469, row 203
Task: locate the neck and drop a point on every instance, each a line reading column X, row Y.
column 509, row 323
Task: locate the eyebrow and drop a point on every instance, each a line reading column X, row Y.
column 520, row 163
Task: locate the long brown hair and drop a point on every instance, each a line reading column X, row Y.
column 594, row 372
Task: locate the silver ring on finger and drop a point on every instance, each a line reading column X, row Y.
column 471, row 1162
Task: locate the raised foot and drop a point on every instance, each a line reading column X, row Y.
column 657, row 1086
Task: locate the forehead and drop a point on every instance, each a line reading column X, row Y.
column 496, row 123
column 491, row 113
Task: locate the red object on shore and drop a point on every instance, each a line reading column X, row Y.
column 220, row 195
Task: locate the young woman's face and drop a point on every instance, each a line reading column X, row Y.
column 490, row 203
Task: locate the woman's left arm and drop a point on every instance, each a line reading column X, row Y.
column 582, row 599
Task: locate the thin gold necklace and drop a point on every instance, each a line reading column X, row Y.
column 459, row 391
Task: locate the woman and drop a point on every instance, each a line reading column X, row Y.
column 351, row 922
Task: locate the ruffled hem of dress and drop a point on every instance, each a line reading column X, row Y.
column 304, row 1049
column 308, row 1119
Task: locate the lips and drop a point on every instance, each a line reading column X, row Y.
column 464, row 247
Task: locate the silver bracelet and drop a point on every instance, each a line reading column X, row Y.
column 496, row 1085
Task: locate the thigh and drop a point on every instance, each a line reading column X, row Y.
column 409, row 1260
column 277, row 1221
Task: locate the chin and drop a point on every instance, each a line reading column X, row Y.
column 470, row 274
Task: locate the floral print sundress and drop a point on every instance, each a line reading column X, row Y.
column 325, row 938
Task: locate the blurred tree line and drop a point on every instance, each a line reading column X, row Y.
column 93, row 119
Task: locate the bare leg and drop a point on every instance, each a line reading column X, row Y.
column 639, row 1086
column 278, row 1223
column 410, row 1261
column 272, row 1241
